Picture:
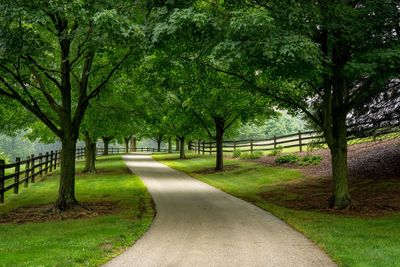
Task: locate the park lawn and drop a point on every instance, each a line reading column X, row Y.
column 79, row 242
column 349, row 240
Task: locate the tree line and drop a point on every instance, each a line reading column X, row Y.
column 190, row 70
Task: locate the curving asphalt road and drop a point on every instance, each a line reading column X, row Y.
column 198, row 225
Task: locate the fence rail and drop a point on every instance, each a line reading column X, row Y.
column 300, row 140
column 20, row 172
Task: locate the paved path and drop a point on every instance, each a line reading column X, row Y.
column 198, row 225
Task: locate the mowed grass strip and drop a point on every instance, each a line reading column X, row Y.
column 78, row 242
column 349, row 240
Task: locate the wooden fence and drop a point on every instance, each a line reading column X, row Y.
column 122, row 150
column 26, row 171
column 300, row 140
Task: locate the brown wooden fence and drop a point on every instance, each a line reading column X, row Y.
column 26, row 171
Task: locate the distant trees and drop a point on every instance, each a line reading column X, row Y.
column 277, row 126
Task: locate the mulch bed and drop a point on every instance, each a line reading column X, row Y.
column 43, row 213
column 374, row 181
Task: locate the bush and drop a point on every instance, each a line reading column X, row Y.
column 255, row 155
column 276, row 151
column 307, row 160
column 236, row 153
column 290, row 158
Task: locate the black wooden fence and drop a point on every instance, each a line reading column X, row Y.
column 300, row 140
column 122, row 150
column 20, row 172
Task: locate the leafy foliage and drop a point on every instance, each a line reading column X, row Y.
column 254, row 155
column 290, row 158
column 310, row 159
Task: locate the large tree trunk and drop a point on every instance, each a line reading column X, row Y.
column 338, row 146
column 169, row 145
column 90, row 154
column 66, row 195
column 219, row 138
column 177, row 147
column 182, row 154
column 335, row 125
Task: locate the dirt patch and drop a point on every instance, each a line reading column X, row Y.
column 213, row 170
column 374, row 181
column 42, row 213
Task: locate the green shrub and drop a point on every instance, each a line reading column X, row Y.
column 276, row 151
column 307, row 160
column 290, row 158
column 236, row 153
column 255, row 155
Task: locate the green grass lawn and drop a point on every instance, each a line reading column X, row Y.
column 80, row 242
column 349, row 240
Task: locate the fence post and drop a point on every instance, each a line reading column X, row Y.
column 210, row 148
column 251, row 146
column 300, row 142
column 16, row 177
column 27, row 170
column 46, row 164
column 275, row 142
column 32, row 168
column 2, row 170
column 234, row 145
column 203, row 146
column 51, row 160
column 55, row 159
column 40, row 164
column 59, row 157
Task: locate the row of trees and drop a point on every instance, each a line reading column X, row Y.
column 192, row 70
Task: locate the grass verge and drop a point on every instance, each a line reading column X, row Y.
column 79, row 242
column 349, row 240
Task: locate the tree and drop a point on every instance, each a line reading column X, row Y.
column 51, row 53
column 337, row 56
column 216, row 99
column 219, row 103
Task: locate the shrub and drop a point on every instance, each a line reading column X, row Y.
column 236, row 153
column 276, row 151
column 255, row 155
column 307, row 160
column 290, row 158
